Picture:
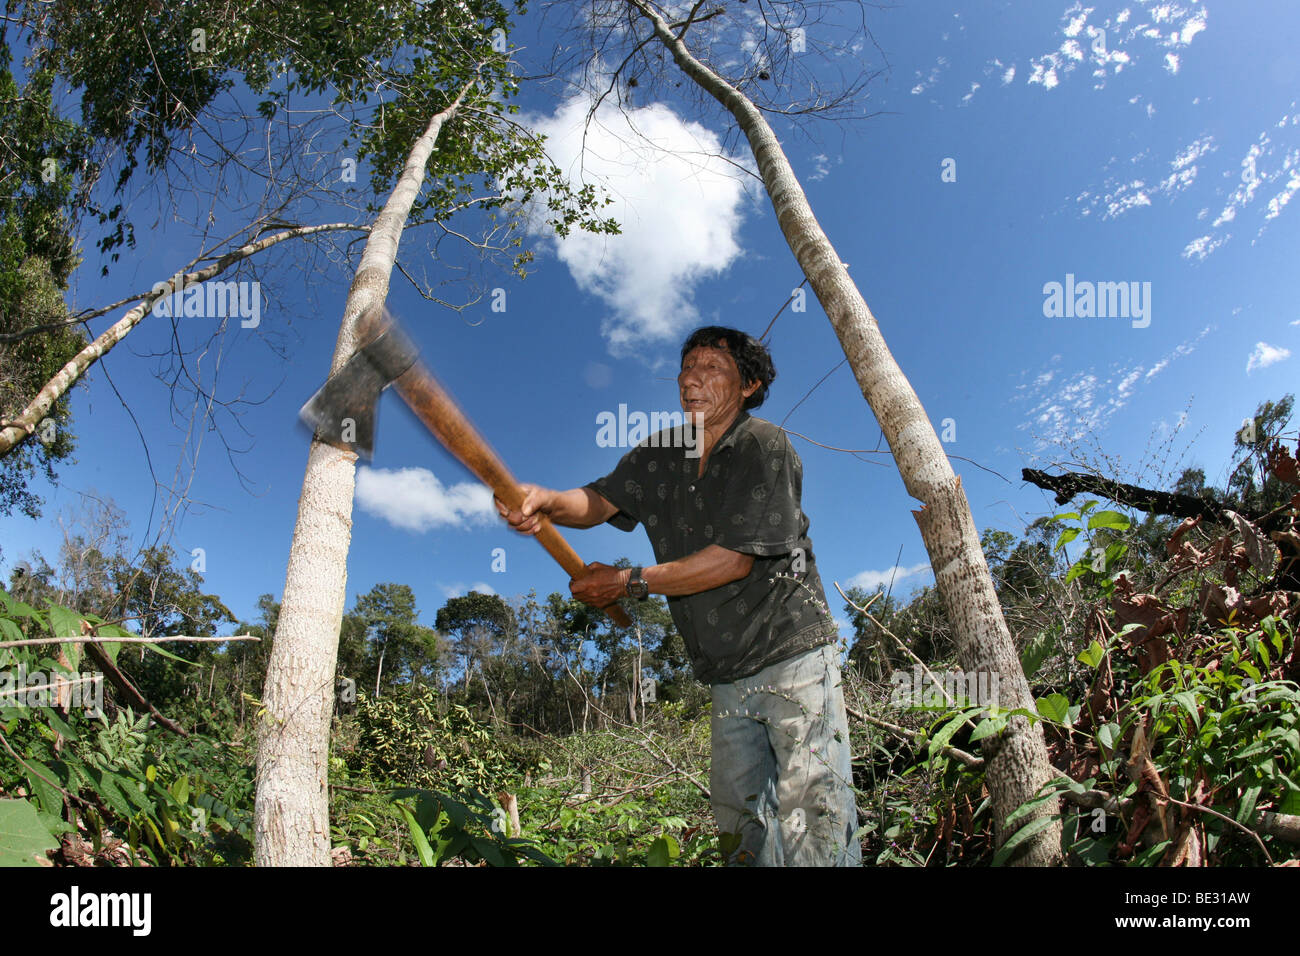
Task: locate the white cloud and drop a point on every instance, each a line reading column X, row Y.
column 1202, row 246
column 1118, row 195
column 415, row 500
column 925, row 82
column 459, row 589
column 1109, row 45
column 1266, row 355
column 679, row 205
column 1084, row 401
column 821, row 167
column 1278, row 202
column 872, row 581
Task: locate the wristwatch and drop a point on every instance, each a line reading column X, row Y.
column 637, row 586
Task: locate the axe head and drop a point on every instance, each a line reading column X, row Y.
column 342, row 412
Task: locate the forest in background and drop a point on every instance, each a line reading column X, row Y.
column 494, row 732
column 1153, row 628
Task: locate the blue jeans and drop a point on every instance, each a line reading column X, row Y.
column 781, row 773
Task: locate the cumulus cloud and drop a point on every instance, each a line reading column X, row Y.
column 1266, row 355
column 875, row 580
column 678, row 200
column 413, row 499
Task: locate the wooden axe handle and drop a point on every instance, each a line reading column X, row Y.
column 442, row 416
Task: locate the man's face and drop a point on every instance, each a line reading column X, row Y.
column 710, row 386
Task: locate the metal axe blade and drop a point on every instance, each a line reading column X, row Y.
column 343, row 410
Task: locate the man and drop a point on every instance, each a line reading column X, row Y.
column 721, row 504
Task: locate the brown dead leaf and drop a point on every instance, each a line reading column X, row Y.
column 1146, row 644
column 1283, row 465
column 1260, row 552
column 1177, row 547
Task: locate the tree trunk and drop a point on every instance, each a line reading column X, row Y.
column 291, row 812
column 1017, row 763
column 379, row 668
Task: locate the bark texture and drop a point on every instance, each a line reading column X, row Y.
column 1017, row 763
column 291, row 812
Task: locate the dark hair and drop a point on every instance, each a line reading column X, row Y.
column 752, row 357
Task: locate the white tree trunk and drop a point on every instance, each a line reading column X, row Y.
column 291, row 813
column 1016, row 761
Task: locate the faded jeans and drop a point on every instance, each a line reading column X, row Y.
column 781, row 774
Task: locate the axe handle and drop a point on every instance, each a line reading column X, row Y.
column 442, row 416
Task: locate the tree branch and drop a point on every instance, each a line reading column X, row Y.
column 24, row 426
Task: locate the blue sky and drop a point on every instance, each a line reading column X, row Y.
column 1149, row 143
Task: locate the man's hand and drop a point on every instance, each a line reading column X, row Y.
column 602, row 585
column 527, row 519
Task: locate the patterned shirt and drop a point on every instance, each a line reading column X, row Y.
column 747, row 500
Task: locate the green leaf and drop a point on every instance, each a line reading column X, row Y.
column 65, row 623
column 1290, row 803
column 1065, row 537
column 1035, row 652
column 46, row 794
column 158, row 649
column 1109, row 519
column 1053, row 707
column 23, row 839
column 1063, row 516
column 663, row 851
column 1187, row 700
column 1108, row 736
column 1079, row 569
column 1052, row 790
column 1020, row 836
column 987, row 727
column 10, row 630
column 422, row 847
column 940, row 740
column 1093, row 655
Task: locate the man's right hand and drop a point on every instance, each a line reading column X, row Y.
column 528, row 518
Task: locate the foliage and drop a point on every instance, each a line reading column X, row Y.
column 418, row 739
column 37, row 256
column 444, row 828
column 172, row 800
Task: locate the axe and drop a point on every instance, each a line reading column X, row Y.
column 342, row 413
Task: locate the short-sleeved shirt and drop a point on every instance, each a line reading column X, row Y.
column 748, row 500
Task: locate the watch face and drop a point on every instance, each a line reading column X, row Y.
column 637, row 586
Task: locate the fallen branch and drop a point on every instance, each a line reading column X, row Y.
column 961, row 756
column 1150, row 500
column 95, row 639
column 124, row 686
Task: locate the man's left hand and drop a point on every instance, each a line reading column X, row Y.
column 601, row 585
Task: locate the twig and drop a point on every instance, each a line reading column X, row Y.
column 94, row 639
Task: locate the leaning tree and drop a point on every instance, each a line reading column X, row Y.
column 447, row 143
